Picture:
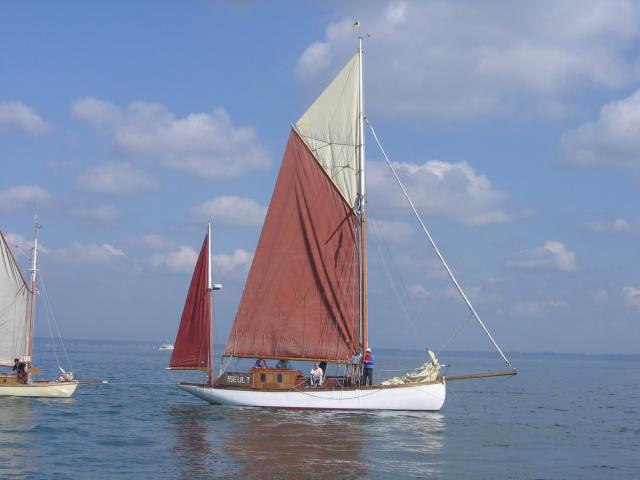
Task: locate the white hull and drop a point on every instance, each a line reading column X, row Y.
column 52, row 390
column 425, row 397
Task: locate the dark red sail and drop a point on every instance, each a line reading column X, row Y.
column 301, row 299
column 193, row 342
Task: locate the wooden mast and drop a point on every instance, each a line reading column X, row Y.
column 210, row 303
column 362, row 207
column 32, row 306
column 211, row 287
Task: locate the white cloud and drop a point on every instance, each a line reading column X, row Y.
column 537, row 309
column 612, row 140
column 453, row 190
column 95, row 215
column 427, row 267
column 465, row 58
column 632, row 296
column 21, row 246
column 154, row 241
column 391, row 230
column 314, row 59
column 230, row 210
column 201, row 144
column 23, row 196
column 17, row 240
column 90, row 253
column 418, row 291
column 17, row 114
column 238, row 261
column 476, row 294
column 619, row 225
column 553, row 255
column 116, row 179
column 76, row 252
column 184, row 258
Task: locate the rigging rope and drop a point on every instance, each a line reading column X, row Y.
column 437, row 250
column 455, row 334
column 394, row 287
column 55, row 324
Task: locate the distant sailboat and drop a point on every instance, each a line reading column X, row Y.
column 17, row 315
column 305, row 298
column 165, row 346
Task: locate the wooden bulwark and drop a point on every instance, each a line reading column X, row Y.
column 199, row 369
column 8, row 380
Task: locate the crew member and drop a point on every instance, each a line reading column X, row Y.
column 354, row 370
column 369, row 361
column 316, row 375
column 283, row 364
column 21, row 370
column 261, row 363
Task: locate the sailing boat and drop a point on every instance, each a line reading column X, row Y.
column 17, row 315
column 305, row 298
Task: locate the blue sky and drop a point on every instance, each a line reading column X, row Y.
column 514, row 126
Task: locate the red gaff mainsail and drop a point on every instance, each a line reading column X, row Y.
column 301, row 299
column 191, row 350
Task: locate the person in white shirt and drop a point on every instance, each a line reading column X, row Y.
column 316, row 375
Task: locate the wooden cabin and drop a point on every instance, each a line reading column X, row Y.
column 264, row 379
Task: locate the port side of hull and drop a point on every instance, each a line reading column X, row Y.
column 426, row 397
column 44, row 389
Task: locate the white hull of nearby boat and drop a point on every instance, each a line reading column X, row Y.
column 44, row 389
column 426, row 397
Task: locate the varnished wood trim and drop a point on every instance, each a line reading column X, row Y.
column 468, row 376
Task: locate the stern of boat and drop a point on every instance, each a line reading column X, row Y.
column 39, row 389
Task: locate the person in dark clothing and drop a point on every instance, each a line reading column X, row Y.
column 21, row 370
column 261, row 363
column 283, row 364
column 369, row 362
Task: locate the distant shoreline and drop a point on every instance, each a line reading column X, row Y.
column 219, row 347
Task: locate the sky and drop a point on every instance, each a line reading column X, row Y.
column 515, row 127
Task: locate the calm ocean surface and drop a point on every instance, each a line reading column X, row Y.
column 562, row 417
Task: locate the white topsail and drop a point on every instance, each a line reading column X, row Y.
column 14, row 303
column 330, row 128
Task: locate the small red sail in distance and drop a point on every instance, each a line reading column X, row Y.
column 191, row 348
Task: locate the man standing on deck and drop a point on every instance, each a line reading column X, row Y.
column 368, row 360
column 22, row 372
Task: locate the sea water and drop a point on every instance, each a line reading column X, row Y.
column 561, row 417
